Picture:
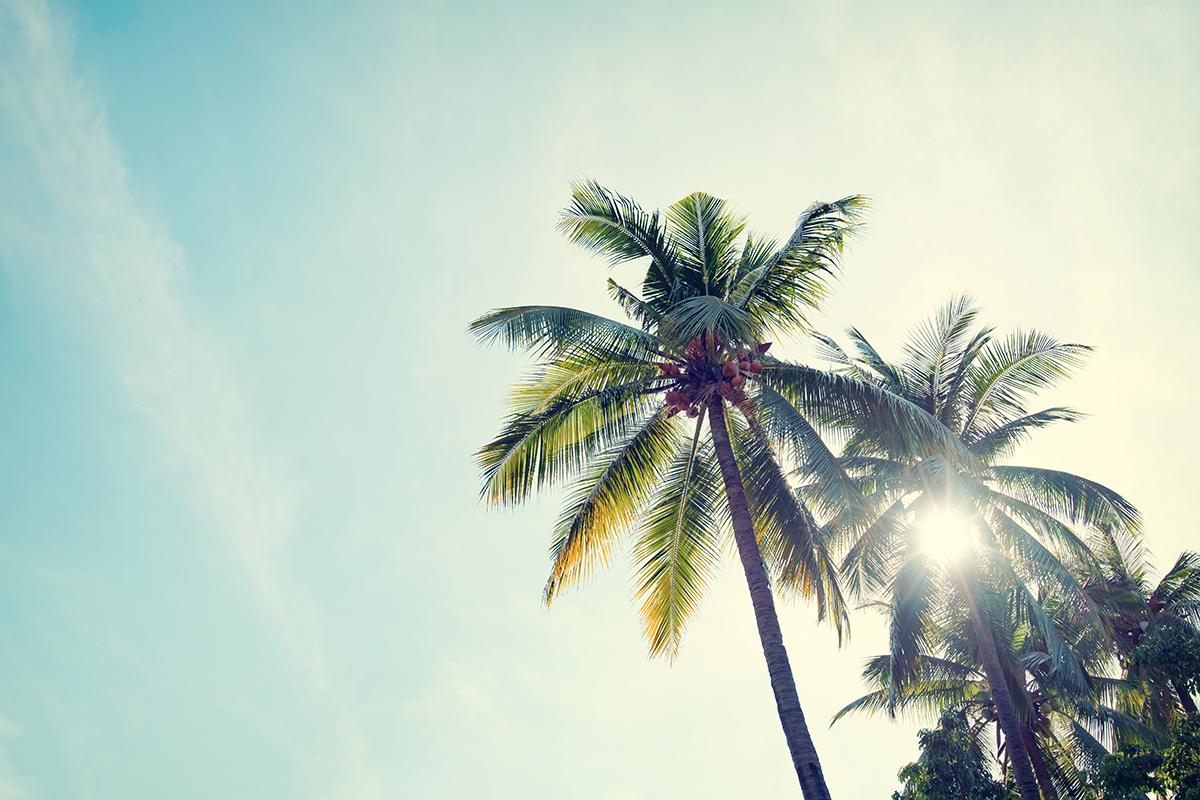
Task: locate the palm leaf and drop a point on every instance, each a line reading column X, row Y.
column 607, row 499
column 678, row 547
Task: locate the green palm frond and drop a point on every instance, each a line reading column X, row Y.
column 577, row 376
column 934, row 351
column 1071, row 497
column 793, row 279
column 912, row 598
column 830, row 486
column 1039, row 565
column 1049, row 528
column 1002, row 439
column 638, row 309
column 1065, row 667
column 1009, row 370
column 867, row 562
column 550, row 331
column 607, row 498
column 923, row 700
column 904, row 427
column 951, row 406
column 1179, row 590
column 868, row 356
column 794, row 547
column 708, row 315
column 539, row 448
column 706, row 237
column 679, row 546
column 620, row 230
column 757, row 253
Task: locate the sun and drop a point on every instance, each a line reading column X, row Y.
column 945, row 534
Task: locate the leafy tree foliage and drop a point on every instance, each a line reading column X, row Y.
column 1133, row 773
column 952, row 765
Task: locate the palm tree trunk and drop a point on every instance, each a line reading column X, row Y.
column 1014, row 742
column 787, row 701
column 1040, row 770
column 1185, row 697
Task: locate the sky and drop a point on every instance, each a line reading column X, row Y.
column 241, row 550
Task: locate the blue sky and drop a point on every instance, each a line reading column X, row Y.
column 240, row 549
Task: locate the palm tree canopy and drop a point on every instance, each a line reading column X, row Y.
column 590, row 414
column 1143, row 615
column 939, row 534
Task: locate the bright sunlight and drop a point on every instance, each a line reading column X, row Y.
column 946, row 534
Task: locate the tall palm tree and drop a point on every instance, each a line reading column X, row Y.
column 605, row 405
column 1137, row 610
column 945, row 531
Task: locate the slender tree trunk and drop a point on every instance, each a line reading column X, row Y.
column 1185, row 698
column 795, row 729
column 1014, row 742
column 1040, row 770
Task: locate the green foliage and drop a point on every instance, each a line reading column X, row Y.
column 1025, row 564
column 952, row 766
column 1173, row 772
column 1029, row 524
column 1172, row 651
column 1153, row 626
column 1127, row 774
column 1181, row 762
column 590, row 414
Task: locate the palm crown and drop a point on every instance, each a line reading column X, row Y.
column 1018, row 530
column 602, row 409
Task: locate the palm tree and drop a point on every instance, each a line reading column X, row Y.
column 1139, row 612
column 605, row 404
column 1067, row 732
column 947, row 532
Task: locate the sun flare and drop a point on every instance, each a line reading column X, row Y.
column 945, row 535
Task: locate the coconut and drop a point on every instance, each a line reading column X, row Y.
column 728, row 369
column 756, row 367
column 736, row 381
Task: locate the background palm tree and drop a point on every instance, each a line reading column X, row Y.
column 1012, row 527
column 1067, row 731
column 1142, row 614
column 605, row 406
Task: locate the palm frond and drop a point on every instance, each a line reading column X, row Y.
column 1002, row 439
column 890, row 375
column 794, row 547
column 619, row 229
column 912, row 598
column 607, row 498
column 933, row 352
column 706, row 237
column 794, row 278
column 866, row 563
column 1009, row 370
column 833, row 490
column 679, row 547
column 903, row 427
column 638, row 309
column 553, row 330
column 708, row 314
column 1071, row 497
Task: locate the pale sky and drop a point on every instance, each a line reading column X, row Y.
column 241, row 552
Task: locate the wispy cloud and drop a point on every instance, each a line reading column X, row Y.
column 123, row 272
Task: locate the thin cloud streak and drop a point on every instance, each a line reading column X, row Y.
column 122, row 271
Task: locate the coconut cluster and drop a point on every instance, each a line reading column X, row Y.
column 707, row 368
